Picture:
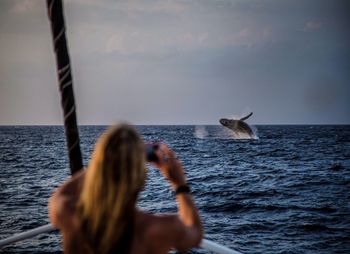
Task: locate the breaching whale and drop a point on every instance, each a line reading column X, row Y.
column 238, row 126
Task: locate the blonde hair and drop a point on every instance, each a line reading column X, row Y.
column 115, row 175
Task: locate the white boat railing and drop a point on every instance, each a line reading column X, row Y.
column 217, row 248
column 205, row 244
column 26, row 235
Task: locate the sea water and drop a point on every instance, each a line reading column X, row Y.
column 287, row 191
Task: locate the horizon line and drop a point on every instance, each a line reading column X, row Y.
column 178, row 124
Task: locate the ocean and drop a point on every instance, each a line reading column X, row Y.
column 287, row 191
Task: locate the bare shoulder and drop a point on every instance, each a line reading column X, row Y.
column 62, row 204
column 73, row 185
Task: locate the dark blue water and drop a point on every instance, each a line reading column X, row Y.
column 286, row 192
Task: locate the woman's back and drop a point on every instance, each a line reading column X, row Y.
column 96, row 209
column 151, row 233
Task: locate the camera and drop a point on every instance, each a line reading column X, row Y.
column 150, row 149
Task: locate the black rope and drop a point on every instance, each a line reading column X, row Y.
column 65, row 82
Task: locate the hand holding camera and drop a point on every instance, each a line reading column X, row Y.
column 165, row 159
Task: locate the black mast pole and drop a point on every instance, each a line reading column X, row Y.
column 65, row 82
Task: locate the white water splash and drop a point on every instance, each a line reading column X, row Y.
column 220, row 132
column 244, row 135
column 200, row 132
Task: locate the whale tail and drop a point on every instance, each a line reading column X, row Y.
column 246, row 117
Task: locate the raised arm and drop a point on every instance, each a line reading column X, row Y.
column 186, row 228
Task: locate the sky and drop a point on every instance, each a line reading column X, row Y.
column 180, row 62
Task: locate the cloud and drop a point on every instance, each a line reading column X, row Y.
column 263, row 55
column 25, row 6
column 162, row 27
column 126, row 43
column 312, row 25
column 157, row 7
column 140, row 41
column 143, row 42
column 137, row 6
column 247, row 37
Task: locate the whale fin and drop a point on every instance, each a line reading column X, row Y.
column 246, row 117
